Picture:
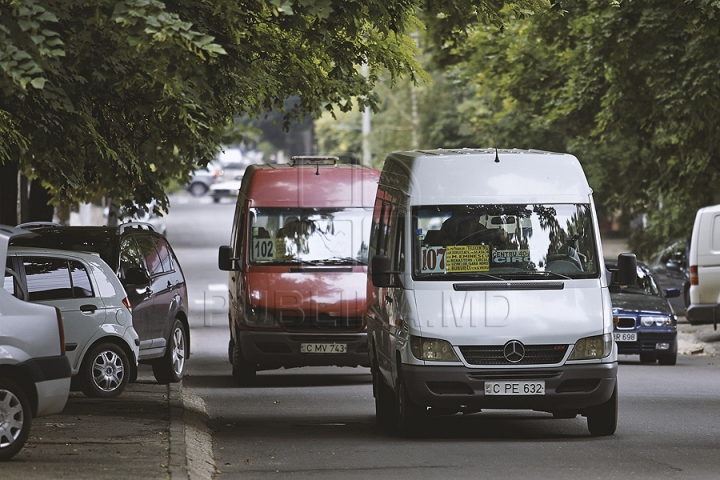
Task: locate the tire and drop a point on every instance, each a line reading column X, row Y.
column 409, row 414
column 105, row 371
column 198, row 189
column 16, row 418
column 242, row 371
column 385, row 412
column 648, row 358
column 171, row 367
column 667, row 359
column 231, row 347
column 602, row 420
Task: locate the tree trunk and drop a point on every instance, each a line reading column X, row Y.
column 39, row 206
column 8, row 193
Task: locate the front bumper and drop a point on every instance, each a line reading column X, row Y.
column 567, row 388
column 271, row 350
column 647, row 343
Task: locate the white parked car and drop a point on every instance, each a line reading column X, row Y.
column 101, row 343
column 34, row 370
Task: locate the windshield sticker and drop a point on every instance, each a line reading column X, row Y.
column 467, row 258
column 511, row 256
column 433, row 259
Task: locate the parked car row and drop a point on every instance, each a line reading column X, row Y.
column 113, row 296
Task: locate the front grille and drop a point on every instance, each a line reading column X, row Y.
column 322, row 323
column 626, row 322
column 493, row 355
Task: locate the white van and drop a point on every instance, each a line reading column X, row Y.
column 704, row 262
column 487, row 289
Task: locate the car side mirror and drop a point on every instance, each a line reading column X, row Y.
column 672, row 292
column 226, row 262
column 136, row 276
column 382, row 276
column 627, row 269
column 675, row 267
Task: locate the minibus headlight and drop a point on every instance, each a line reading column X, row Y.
column 432, row 350
column 589, row 348
column 259, row 318
column 655, row 321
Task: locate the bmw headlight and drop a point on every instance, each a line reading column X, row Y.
column 260, row 318
column 655, row 321
column 588, row 348
column 432, row 350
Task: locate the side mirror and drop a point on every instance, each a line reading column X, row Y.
column 226, row 262
column 382, row 276
column 136, row 276
column 627, row 269
column 675, row 267
column 672, row 292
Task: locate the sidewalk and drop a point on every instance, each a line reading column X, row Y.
column 141, row 434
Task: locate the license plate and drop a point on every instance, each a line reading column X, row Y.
column 625, row 337
column 536, row 387
column 323, row 348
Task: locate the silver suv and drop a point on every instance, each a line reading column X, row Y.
column 101, row 343
column 34, row 370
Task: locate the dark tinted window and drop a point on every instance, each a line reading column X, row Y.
column 164, row 252
column 130, row 257
column 47, row 278
column 150, row 254
column 81, row 286
column 80, row 239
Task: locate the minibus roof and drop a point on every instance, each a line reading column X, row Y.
column 287, row 185
column 486, row 176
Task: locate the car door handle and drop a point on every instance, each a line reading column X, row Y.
column 88, row 308
column 170, row 285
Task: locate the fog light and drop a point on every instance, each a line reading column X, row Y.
column 662, row 346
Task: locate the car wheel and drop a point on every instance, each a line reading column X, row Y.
column 686, row 295
column 242, row 371
column 648, row 358
column 105, row 371
column 171, row 367
column 385, row 413
column 198, row 189
column 602, row 420
column 667, row 359
column 409, row 413
column 15, row 418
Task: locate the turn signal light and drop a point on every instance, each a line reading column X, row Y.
column 693, row 275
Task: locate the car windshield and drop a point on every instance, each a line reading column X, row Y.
column 309, row 236
column 507, row 241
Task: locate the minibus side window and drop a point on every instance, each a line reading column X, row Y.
column 397, row 256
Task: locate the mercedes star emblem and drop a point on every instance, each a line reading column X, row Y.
column 514, row 351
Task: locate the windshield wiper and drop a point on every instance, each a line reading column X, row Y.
column 552, row 275
column 341, row 261
column 485, row 275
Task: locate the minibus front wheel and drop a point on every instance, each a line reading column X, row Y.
column 242, row 371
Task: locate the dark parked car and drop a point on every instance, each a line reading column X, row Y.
column 645, row 323
column 151, row 274
column 671, row 271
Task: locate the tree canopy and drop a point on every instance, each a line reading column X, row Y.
column 105, row 97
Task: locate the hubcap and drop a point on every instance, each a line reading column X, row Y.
column 108, row 371
column 12, row 418
column 178, row 351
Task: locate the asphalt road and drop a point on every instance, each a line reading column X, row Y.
column 319, row 422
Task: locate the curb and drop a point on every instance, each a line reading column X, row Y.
column 191, row 448
column 177, row 467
